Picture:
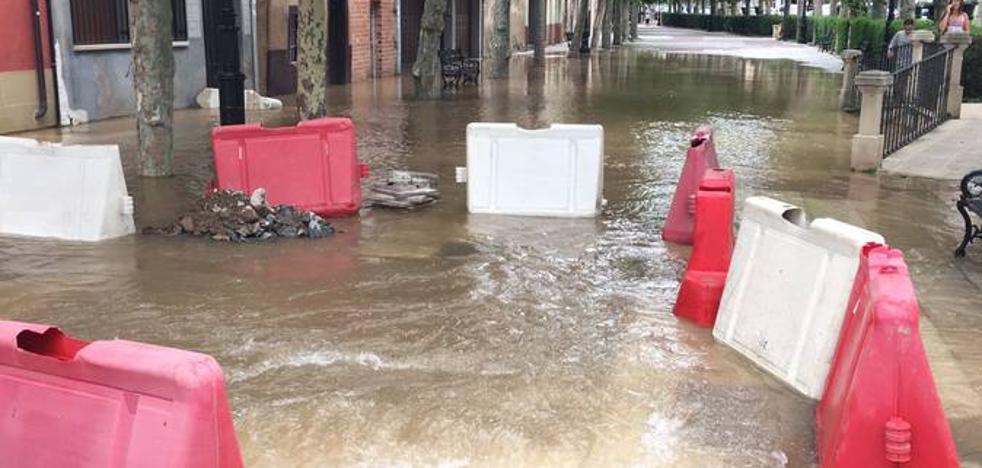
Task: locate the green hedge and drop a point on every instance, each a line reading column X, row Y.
column 845, row 33
column 972, row 68
column 745, row 25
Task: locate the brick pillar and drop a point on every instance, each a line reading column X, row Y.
column 917, row 41
column 867, row 145
column 847, row 96
column 959, row 41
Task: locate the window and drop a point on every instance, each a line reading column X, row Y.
column 291, row 33
column 107, row 22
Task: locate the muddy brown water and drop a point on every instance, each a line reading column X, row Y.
column 438, row 338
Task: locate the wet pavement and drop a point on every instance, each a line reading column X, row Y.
column 438, row 338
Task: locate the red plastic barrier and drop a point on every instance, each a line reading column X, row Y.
column 700, row 157
column 313, row 166
column 880, row 407
column 705, row 274
column 67, row 402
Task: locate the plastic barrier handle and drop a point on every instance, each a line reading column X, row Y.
column 52, row 343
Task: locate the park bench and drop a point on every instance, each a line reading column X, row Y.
column 456, row 69
column 970, row 201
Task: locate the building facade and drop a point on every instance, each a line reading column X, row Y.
column 27, row 90
column 370, row 39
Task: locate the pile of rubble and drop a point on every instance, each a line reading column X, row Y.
column 404, row 189
column 228, row 215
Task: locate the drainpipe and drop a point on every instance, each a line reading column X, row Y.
column 398, row 37
column 42, row 108
column 255, row 43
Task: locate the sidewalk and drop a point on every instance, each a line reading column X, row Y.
column 948, row 152
column 693, row 41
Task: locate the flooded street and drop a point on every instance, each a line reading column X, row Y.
column 438, row 338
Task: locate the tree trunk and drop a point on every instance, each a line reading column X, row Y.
column 501, row 39
column 426, row 69
column 539, row 30
column 153, row 83
column 878, row 9
column 617, row 22
column 579, row 30
column 800, row 33
column 907, row 9
column 610, row 15
column 312, row 59
column 746, row 6
column 635, row 13
column 599, row 21
column 786, row 20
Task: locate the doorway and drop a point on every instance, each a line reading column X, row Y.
column 339, row 49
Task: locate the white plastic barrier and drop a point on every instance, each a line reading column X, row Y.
column 787, row 290
column 74, row 192
column 557, row 171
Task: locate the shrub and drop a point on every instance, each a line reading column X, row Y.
column 972, row 68
column 745, row 25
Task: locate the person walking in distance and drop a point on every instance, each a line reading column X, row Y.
column 955, row 19
column 902, row 38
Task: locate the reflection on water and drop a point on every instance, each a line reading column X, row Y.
column 442, row 338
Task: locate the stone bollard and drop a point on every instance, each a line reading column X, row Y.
column 867, row 145
column 959, row 41
column 917, row 41
column 847, row 95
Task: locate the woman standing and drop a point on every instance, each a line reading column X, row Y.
column 954, row 19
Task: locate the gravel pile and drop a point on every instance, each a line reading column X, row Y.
column 227, row 215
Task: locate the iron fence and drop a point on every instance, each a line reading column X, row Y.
column 917, row 102
column 889, row 60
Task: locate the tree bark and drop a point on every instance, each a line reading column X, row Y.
column 501, row 39
column 607, row 26
column 786, row 19
column 426, row 69
column 907, row 9
column 153, row 84
column 539, row 31
column 312, row 59
column 800, row 33
column 878, row 9
column 635, row 13
column 583, row 10
column 618, row 20
column 598, row 38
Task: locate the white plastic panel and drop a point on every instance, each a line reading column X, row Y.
column 787, row 290
column 557, row 171
column 65, row 192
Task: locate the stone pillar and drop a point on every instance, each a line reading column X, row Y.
column 867, row 145
column 959, row 41
column 847, row 95
column 917, row 41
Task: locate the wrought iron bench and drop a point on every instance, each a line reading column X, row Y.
column 970, row 201
column 456, row 69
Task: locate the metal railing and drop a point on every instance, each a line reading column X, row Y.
column 889, row 60
column 917, row 102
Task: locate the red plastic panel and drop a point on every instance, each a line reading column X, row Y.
column 705, row 274
column 312, row 166
column 880, row 407
column 700, row 157
column 66, row 402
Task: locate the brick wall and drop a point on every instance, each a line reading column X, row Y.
column 359, row 26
